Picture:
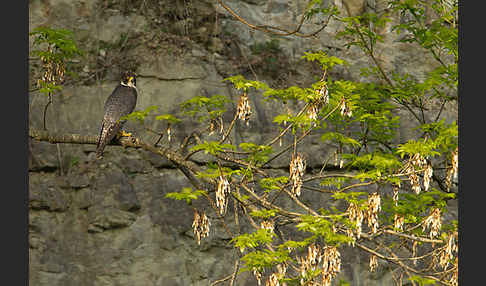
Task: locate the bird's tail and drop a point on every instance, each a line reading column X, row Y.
column 100, row 145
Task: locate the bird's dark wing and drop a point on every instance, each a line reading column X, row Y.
column 120, row 103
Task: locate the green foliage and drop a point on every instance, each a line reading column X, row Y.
column 186, row 194
column 438, row 34
column 74, row 161
column 264, row 213
column 445, row 135
column 47, row 87
column 424, row 147
column 421, row 281
column 291, row 244
column 378, row 161
column 414, row 207
column 315, row 7
column 258, row 153
column 253, row 240
column 171, row 119
column 322, row 227
column 334, row 181
column 205, row 108
column 358, row 29
column 54, row 47
column 273, row 183
column 139, row 115
column 239, row 82
column 327, row 62
column 339, row 138
column 212, row 147
column 260, row 259
column 294, row 93
column 213, row 171
column 60, row 40
column 352, row 197
column 343, row 282
column 301, row 121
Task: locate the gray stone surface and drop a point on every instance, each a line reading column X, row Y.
column 108, row 222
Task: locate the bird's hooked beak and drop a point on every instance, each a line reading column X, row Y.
column 130, row 82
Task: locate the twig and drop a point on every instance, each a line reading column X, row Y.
column 45, row 109
column 235, row 272
column 221, row 280
column 413, row 237
column 272, row 29
column 59, row 158
column 158, row 133
column 398, row 262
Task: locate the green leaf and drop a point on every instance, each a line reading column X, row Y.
column 426, row 148
column 270, row 184
column 340, row 138
column 139, row 115
column 240, row 82
column 264, row 213
column 168, row 117
column 323, row 227
column 212, row 147
column 327, row 62
column 186, row 194
column 421, row 280
column 205, row 108
column 62, row 41
column 213, row 171
column 252, row 240
column 333, row 181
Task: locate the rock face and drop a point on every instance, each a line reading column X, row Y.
column 108, row 222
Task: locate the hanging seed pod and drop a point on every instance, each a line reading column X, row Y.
column 331, row 264
column 258, row 276
column 428, row 172
column 452, row 170
column 433, row 221
column 356, row 215
column 455, row 274
column 455, row 162
column 272, row 280
column 297, row 170
column 200, row 225
column 373, row 262
column 243, row 110
column 414, row 181
column 324, row 95
column 267, row 224
column 374, row 206
column 447, row 253
column 168, row 132
column 345, row 110
column 396, row 187
column 398, row 221
column 313, row 110
column 221, row 194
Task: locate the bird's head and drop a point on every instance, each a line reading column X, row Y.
column 129, row 79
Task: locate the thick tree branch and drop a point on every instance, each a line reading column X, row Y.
column 189, row 168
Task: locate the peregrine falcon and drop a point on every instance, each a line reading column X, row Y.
column 121, row 102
